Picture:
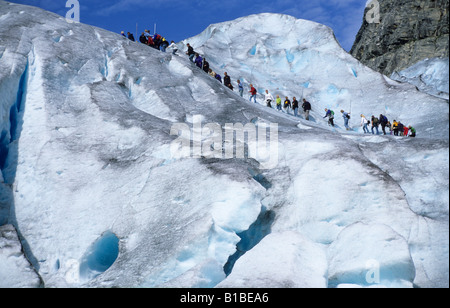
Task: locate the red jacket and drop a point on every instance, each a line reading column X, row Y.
column 253, row 91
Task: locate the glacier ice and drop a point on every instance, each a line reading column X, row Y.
column 15, row 270
column 91, row 173
column 430, row 76
column 100, row 256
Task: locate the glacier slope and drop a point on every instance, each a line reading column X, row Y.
column 92, row 157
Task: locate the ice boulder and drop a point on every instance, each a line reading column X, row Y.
column 280, row 260
column 370, row 254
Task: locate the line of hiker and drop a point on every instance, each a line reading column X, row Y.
column 201, row 63
column 287, row 106
column 155, row 41
column 396, row 128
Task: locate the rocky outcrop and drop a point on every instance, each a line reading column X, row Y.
column 408, row 31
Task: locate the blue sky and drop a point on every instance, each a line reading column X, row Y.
column 181, row 19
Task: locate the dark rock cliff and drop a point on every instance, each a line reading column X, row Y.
column 408, row 31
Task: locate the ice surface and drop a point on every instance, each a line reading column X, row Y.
column 429, row 76
column 281, row 260
column 89, row 181
column 15, row 270
column 378, row 254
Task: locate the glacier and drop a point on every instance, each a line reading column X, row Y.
column 91, row 196
column 429, row 76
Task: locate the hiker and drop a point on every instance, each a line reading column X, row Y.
column 405, row 131
column 123, row 34
column 252, row 93
column 287, row 105
column 174, row 47
column 330, row 114
column 384, row 122
column 295, row 106
column 395, row 127
column 375, row 123
column 278, row 101
column 390, row 127
column 218, row 77
column 157, row 39
column 205, row 65
column 400, row 128
column 150, row 42
column 346, row 116
column 143, row 39
column 190, row 52
column 412, row 131
column 306, row 108
column 364, row 124
column 212, row 73
column 268, row 99
column 241, row 88
column 131, row 36
column 164, row 44
column 147, row 34
column 227, row 81
column 198, row 60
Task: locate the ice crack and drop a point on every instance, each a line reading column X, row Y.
column 251, row 237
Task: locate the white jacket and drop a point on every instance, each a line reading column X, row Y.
column 268, row 96
column 173, row 46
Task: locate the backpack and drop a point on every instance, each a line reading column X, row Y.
column 348, row 116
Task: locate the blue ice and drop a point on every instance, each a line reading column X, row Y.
column 100, row 256
column 332, row 89
column 289, row 56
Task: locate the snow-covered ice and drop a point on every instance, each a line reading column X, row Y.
column 98, row 200
column 429, row 76
column 15, row 270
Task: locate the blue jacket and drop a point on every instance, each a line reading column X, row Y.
column 199, row 61
column 329, row 114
